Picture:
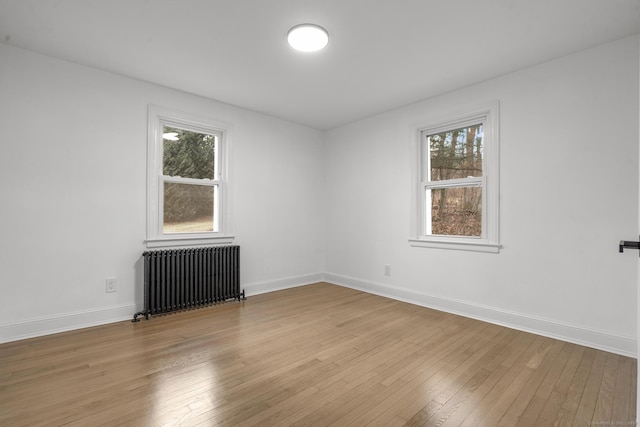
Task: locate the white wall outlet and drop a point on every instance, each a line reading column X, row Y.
column 387, row 270
column 111, row 285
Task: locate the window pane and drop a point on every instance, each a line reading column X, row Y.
column 188, row 154
column 456, row 154
column 456, row 211
column 188, row 208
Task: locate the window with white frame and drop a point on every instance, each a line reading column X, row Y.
column 457, row 183
column 187, row 181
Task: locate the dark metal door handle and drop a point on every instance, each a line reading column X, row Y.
column 629, row 245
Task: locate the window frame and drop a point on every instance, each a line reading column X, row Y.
column 158, row 118
column 488, row 116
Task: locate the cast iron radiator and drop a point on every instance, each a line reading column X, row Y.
column 180, row 279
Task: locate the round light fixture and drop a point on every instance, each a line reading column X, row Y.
column 308, row 37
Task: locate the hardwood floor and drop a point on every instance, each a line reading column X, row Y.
column 315, row 355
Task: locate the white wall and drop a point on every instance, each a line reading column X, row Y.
column 72, row 193
column 568, row 194
column 309, row 205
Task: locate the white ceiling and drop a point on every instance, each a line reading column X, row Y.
column 382, row 54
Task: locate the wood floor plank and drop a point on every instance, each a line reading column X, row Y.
column 541, row 363
column 588, row 401
column 623, row 403
column 495, row 403
column 314, row 355
column 453, row 389
column 575, row 389
column 604, row 401
column 535, row 408
column 506, row 359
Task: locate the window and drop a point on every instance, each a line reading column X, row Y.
column 457, row 183
column 187, row 181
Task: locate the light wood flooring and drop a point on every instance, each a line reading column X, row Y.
column 314, row 355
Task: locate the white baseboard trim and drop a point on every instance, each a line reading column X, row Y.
column 280, row 284
column 601, row 340
column 47, row 325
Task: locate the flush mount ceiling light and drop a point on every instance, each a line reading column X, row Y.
column 308, row 37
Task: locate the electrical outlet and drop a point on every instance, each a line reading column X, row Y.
column 387, row 270
column 111, row 285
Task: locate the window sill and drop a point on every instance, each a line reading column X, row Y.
column 461, row 245
column 186, row 241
